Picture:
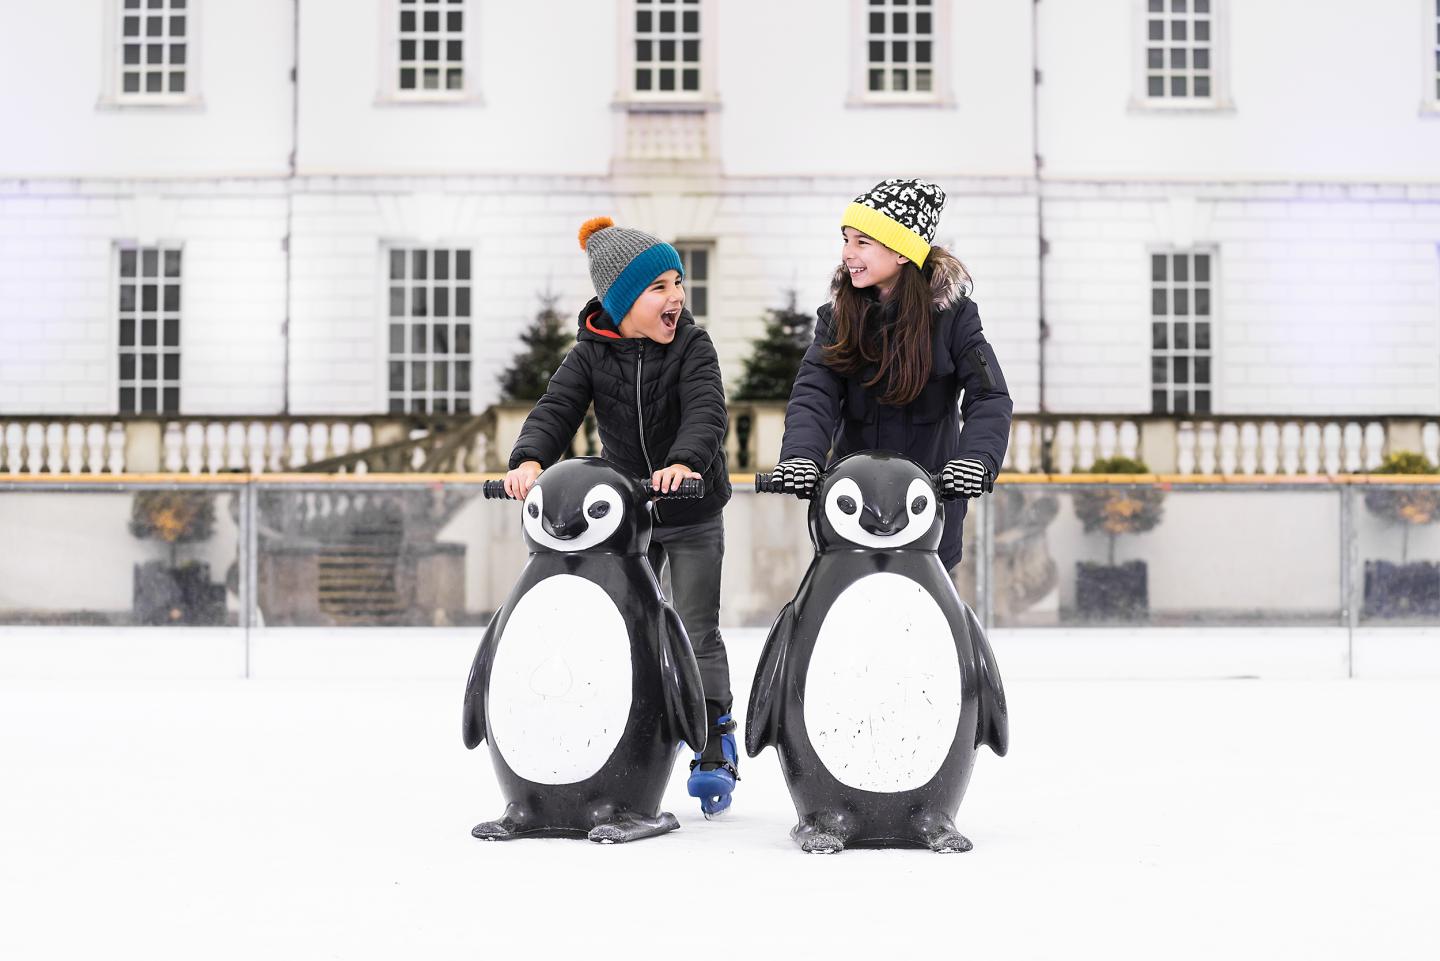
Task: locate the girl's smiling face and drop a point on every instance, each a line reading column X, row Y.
column 869, row 262
column 656, row 312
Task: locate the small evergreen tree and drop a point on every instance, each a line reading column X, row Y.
column 547, row 341
column 771, row 368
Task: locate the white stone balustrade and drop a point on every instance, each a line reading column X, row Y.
column 1064, row 444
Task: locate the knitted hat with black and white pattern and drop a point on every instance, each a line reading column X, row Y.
column 901, row 214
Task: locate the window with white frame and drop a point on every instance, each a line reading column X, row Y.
column 695, row 256
column 148, row 280
column 667, row 47
column 429, row 331
column 154, row 49
column 900, row 47
column 1179, row 50
column 1180, row 324
column 431, row 46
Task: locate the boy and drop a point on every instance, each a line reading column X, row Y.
column 660, row 410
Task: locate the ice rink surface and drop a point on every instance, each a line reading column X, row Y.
column 328, row 819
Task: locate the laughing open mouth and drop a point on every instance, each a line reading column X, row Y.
column 669, row 318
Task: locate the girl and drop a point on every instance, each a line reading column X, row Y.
column 899, row 343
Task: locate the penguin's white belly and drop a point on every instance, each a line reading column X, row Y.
column 882, row 696
column 560, row 684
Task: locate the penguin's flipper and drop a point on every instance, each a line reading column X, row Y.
column 993, row 728
column 473, row 722
column 767, row 694
column 680, row 678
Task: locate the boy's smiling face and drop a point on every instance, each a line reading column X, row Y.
column 656, row 312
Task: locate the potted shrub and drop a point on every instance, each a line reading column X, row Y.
column 1110, row 590
column 171, row 591
column 1409, row 588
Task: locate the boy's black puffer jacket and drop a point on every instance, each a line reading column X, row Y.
column 655, row 405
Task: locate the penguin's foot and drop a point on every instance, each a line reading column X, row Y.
column 939, row 834
column 515, row 822
column 630, row 826
column 820, row 833
column 504, row 829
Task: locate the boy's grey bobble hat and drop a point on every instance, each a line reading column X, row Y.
column 623, row 262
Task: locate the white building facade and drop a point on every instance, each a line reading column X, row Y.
column 353, row 207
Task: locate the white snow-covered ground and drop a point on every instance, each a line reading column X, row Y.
column 316, row 817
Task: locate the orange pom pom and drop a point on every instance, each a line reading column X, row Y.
column 592, row 225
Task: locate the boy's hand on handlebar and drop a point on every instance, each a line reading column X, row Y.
column 798, row 475
column 965, row 478
column 669, row 479
column 519, row 481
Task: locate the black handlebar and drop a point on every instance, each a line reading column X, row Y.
column 691, row 488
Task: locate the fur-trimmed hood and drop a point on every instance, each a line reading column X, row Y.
column 950, row 282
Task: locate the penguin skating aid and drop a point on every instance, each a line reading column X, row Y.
column 584, row 684
column 876, row 684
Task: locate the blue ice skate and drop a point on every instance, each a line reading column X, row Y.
column 715, row 770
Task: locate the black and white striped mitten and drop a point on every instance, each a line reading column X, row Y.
column 964, row 478
column 798, row 475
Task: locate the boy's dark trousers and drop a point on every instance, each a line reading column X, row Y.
column 687, row 559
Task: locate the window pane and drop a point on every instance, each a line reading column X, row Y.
column 1182, row 370
column 397, row 265
column 172, row 297
column 127, row 297
column 418, row 340
column 1182, row 336
column 147, row 400
column 1179, row 58
column 690, row 79
column 899, row 51
column 1158, row 402
column 172, row 332
column 690, row 51
column 462, row 302
column 877, row 79
column 442, row 302
column 150, row 263
column 172, row 366
column 877, row 23
column 667, row 79
column 441, row 370
column 147, row 332
column 462, row 265
column 1157, row 302
column 1182, row 302
column 700, row 302
column 1202, row 402
column 1202, row 86
column 1202, row 336
column 1178, row 30
column 1182, row 404
column 417, row 302
column 1202, row 370
column 1202, row 59
column 172, row 263
column 407, row 79
column 1178, row 86
column 442, row 339
column 462, row 375
column 1156, row 87
column 127, row 263
column 462, row 338
column 1158, row 335
column 1157, row 266
column 397, row 375
column 1202, row 301
column 148, row 295
column 397, row 338
column 397, row 301
column 441, row 263
column 127, row 400
column 127, row 366
column 454, row 79
column 1202, row 268
column 1157, row 29
column 1182, row 267
column 1202, row 30
column 418, row 379
column 1157, row 370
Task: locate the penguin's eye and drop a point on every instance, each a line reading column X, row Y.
column 534, row 510
column 919, row 504
column 845, row 503
column 598, row 509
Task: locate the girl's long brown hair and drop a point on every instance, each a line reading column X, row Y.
column 900, row 352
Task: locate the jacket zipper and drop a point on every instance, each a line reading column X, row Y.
column 979, row 353
column 640, row 418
